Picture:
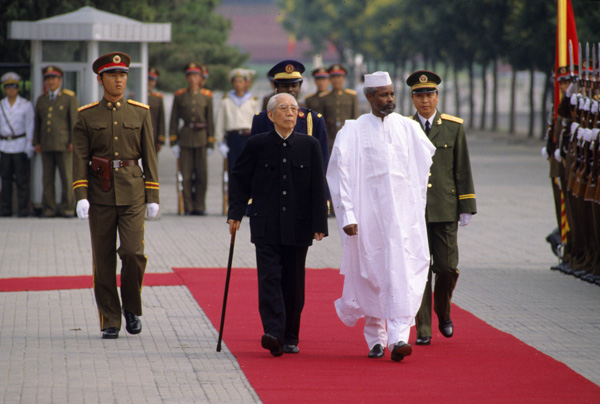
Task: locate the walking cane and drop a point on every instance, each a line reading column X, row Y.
column 229, row 262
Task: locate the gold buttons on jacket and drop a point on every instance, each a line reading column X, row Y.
column 116, row 153
column 109, row 104
column 115, row 123
column 429, row 185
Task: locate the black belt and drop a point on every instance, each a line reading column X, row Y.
column 240, row 132
column 11, row 137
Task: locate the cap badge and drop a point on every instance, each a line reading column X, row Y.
column 289, row 68
column 423, row 78
column 192, row 65
column 117, row 59
column 50, row 69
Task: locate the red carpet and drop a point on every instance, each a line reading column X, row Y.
column 480, row 364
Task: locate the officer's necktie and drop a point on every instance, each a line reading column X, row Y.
column 51, row 97
column 427, row 128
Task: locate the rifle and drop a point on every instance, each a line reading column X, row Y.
column 179, row 185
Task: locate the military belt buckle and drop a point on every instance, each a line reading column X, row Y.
column 115, row 163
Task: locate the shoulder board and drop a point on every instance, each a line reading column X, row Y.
column 180, row 91
column 206, row 92
column 451, row 118
column 138, row 104
column 411, row 117
column 258, row 113
column 159, row 95
column 93, row 104
column 319, row 115
column 68, row 92
column 310, row 96
column 324, row 93
column 255, row 98
column 350, row 91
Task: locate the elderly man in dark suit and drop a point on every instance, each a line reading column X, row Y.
column 283, row 172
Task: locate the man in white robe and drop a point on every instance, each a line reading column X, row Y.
column 377, row 176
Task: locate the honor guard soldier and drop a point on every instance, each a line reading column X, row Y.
column 339, row 104
column 287, row 78
column 321, row 77
column 55, row 114
column 450, row 200
column 110, row 137
column 157, row 109
column 194, row 107
column 16, row 136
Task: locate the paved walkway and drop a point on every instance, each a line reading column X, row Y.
column 50, row 346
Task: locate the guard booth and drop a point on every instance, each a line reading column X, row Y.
column 73, row 41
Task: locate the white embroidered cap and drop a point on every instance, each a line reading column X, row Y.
column 378, row 79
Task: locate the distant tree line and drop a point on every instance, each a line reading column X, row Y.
column 452, row 36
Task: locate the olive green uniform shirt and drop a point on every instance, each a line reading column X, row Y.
column 157, row 115
column 337, row 107
column 54, row 121
column 193, row 107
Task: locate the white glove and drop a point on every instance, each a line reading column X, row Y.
column 223, row 149
column 557, row 155
column 176, row 150
column 209, row 151
column 465, row 218
column 83, row 209
column 574, row 99
column 151, row 209
column 594, row 107
column 29, row 150
column 586, row 104
column 544, row 152
column 570, row 90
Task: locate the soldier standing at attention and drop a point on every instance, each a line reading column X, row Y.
column 109, row 138
column 55, row 114
column 16, row 135
column 450, row 200
column 194, row 106
column 339, row 104
column 157, row 109
column 322, row 82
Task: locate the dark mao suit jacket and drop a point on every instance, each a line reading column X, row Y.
column 286, row 181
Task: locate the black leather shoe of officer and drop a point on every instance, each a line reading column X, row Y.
column 272, row 344
column 110, row 333
column 376, row 351
column 423, row 341
column 133, row 323
column 446, row 328
column 289, row 348
column 401, row 349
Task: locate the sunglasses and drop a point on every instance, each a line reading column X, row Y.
column 11, row 86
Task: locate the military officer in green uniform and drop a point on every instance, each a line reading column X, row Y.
column 339, row 104
column 109, row 139
column 157, row 109
column 55, row 114
column 450, row 200
column 321, row 77
column 191, row 134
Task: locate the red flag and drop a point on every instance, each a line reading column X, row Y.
column 566, row 32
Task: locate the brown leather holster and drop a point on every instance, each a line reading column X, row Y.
column 101, row 167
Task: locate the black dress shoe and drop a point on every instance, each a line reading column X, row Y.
column 401, row 349
column 423, row 341
column 376, row 351
column 133, row 323
column 110, row 333
column 289, row 348
column 446, row 328
column 272, row 344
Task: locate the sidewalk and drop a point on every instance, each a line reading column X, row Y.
column 50, row 345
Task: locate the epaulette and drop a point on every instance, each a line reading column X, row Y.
column 451, row 118
column 324, row 93
column 255, row 98
column 411, row 117
column 68, row 92
column 350, row 91
column 180, row 91
column 93, row 104
column 319, row 115
column 139, row 104
column 258, row 113
column 159, row 95
column 206, row 92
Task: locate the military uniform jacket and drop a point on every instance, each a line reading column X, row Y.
column 450, row 189
column 308, row 123
column 286, row 180
column 54, row 121
column 313, row 102
column 157, row 115
column 193, row 107
column 337, row 107
column 115, row 131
